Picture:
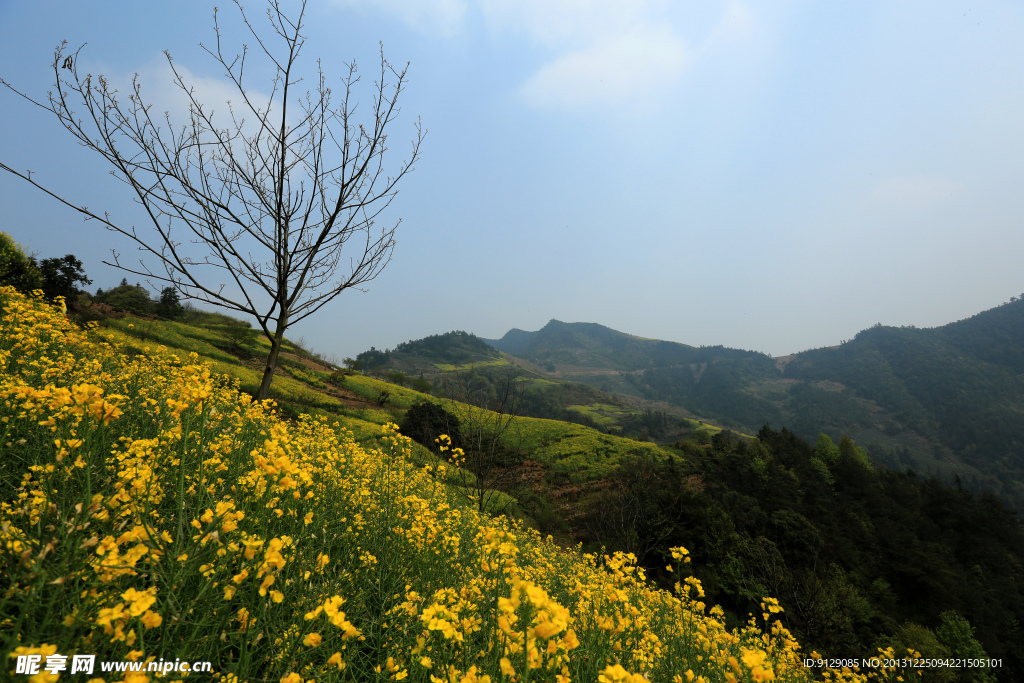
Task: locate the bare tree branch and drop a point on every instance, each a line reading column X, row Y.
column 274, row 204
column 490, row 447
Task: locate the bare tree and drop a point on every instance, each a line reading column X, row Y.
column 633, row 512
column 487, row 412
column 275, row 205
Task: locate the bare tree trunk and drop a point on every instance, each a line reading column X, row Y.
column 275, row 350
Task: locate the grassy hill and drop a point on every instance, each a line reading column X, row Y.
column 566, row 454
column 430, row 362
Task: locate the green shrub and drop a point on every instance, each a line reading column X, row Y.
column 17, row 269
column 425, row 421
column 125, row 297
column 241, row 337
column 421, row 385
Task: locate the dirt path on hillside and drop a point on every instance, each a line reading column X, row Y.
column 344, row 396
column 308, row 362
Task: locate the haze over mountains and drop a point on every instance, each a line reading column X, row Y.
column 947, row 401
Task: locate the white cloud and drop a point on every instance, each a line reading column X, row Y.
column 427, row 16
column 615, row 53
column 160, row 90
column 614, row 72
column 914, row 193
column 557, row 22
column 602, row 52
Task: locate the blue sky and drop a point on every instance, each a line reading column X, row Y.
column 766, row 175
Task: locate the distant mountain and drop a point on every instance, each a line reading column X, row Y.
column 427, row 365
column 947, row 401
column 709, row 381
column 588, row 348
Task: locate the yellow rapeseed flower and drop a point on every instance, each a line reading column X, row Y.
column 151, row 619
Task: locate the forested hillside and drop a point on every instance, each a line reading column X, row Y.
column 956, row 389
column 857, row 555
column 947, row 401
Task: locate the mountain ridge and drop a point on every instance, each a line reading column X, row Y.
column 946, row 400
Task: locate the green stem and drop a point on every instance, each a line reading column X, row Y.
column 181, row 479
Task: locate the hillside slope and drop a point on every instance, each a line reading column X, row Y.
column 152, row 513
column 560, row 455
column 852, row 549
column 735, row 500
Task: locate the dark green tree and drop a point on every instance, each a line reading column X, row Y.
column 420, row 384
column 426, row 420
column 61, row 277
column 241, row 337
column 170, row 304
column 372, row 359
column 397, row 377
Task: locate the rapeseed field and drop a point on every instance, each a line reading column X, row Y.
column 151, row 511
